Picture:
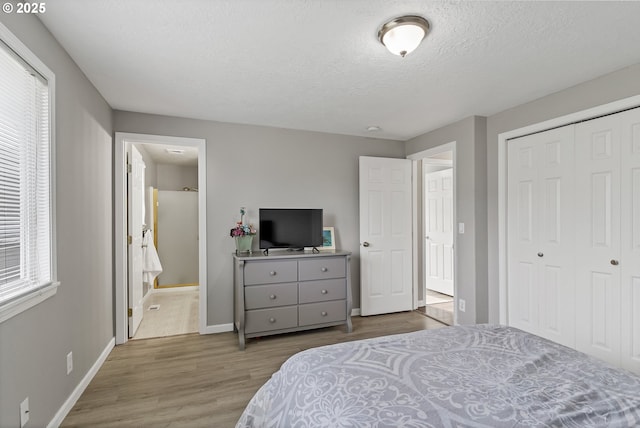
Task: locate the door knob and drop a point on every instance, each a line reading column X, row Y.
column 365, row 244
column 614, row 262
column 540, row 254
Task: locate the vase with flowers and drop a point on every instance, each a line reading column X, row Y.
column 243, row 234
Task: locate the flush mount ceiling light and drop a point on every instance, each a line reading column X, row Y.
column 175, row 151
column 403, row 35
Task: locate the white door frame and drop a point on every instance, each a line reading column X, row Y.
column 122, row 139
column 609, row 108
column 418, row 216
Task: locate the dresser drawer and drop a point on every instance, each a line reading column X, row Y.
column 322, row 268
column 271, row 319
column 320, row 291
column 268, row 296
column 318, row 313
column 270, row 272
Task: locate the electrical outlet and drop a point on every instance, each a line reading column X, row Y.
column 462, row 305
column 24, row 412
column 69, row 362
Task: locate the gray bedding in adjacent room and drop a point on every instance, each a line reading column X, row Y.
column 465, row 376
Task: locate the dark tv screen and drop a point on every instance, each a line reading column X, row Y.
column 290, row 228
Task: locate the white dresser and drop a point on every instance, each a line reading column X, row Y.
column 291, row 291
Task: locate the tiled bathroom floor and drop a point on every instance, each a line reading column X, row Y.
column 177, row 313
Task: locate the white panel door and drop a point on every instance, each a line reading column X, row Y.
column 385, row 235
column 439, row 231
column 522, row 231
column 135, row 200
column 597, row 217
column 629, row 263
column 541, row 234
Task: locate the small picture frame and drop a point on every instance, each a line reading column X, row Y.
column 328, row 238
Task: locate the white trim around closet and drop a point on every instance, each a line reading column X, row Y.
column 602, row 110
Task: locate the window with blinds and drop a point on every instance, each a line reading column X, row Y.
column 25, row 179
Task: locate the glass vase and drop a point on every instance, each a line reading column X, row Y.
column 243, row 244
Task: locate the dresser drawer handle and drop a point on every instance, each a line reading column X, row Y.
column 272, row 297
column 324, row 291
column 272, row 320
column 323, row 313
column 324, row 269
column 272, row 273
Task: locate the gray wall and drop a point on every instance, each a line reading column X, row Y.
column 178, row 237
column 470, row 178
column 176, row 177
column 611, row 87
column 79, row 318
column 150, row 170
column 255, row 167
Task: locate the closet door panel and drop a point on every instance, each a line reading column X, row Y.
column 555, row 208
column 541, row 234
column 597, row 219
column 630, row 245
column 522, row 234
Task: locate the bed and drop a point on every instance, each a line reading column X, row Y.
column 465, row 376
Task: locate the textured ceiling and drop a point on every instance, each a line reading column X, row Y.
column 317, row 64
column 162, row 154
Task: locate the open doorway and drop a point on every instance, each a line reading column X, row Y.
column 439, row 273
column 172, row 300
column 434, row 170
column 170, row 241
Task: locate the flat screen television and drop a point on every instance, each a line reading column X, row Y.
column 292, row 228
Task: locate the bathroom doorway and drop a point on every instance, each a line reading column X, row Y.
column 171, row 227
column 174, row 286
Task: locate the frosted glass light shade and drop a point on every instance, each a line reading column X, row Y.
column 403, row 35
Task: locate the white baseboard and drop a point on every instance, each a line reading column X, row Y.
column 420, row 303
column 77, row 392
column 355, row 312
column 218, row 328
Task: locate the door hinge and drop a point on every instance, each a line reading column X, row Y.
column 129, row 169
column 130, row 312
column 129, row 239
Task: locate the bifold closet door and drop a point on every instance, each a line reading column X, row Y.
column 608, row 214
column 541, row 234
column 598, row 243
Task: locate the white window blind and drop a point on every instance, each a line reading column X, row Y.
column 25, row 184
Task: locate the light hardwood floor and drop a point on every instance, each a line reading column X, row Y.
column 205, row 381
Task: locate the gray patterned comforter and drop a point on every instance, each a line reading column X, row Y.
column 468, row 376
